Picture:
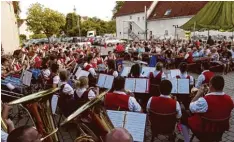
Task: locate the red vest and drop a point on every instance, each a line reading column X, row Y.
column 115, row 101
column 208, row 75
column 156, row 79
column 38, row 62
column 109, row 72
column 88, row 67
column 163, row 105
column 84, row 96
column 99, row 61
column 190, row 58
column 219, row 107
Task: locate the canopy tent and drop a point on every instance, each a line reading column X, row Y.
column 215, row 15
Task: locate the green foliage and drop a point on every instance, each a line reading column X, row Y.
column 37, row 36
column 72, row 24
column 22, row 38
column 44, row 20
column 118, row 5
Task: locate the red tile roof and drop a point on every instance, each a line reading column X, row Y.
column 178, row 8
column 131, row 7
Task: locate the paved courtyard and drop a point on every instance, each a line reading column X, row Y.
column 68, row 132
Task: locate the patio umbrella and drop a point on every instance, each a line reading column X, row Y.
column 215, row 15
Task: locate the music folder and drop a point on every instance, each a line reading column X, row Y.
column 180, row 86
column 105, row 81
column 137, row 85
column 125, row 71
column 146, row 70
column 134, row 122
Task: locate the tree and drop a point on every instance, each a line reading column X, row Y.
column 37, row 36
column 118, row 5
column 41, row 20
column 71, row 24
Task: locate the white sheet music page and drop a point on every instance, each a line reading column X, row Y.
column 116, row 117
column 174, row 73
column 174, row 85
column 141, row 85
column 130, row 84
column 109, row 81
column 82, row 73
column 135, row 124
column 78, row 72
column 27, row 78
column 101, row 80
column 126, row 71
column 183, row 86
column 145, row 71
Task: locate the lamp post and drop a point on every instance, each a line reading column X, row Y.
column 78, row 21
column 176, row 26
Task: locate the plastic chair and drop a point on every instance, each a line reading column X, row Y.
column 163, row 124
column 218, row 126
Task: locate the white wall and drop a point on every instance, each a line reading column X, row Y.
column 158, row 27
column 9, row 32
column 122, row 26
column 23, row 30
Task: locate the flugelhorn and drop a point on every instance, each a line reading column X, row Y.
column 39, row 107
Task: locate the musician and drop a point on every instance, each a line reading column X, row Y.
column 6, row 71
column 61, row 60
column 205, row 76
column 214, row 105
column 135, row 71
column 120, row 99
column 89, row 67
column 119, row 135
column 111, row 70
column 183, row 67
column 54, row 77
column 98, row 59
column 83, row 92
column 24, row 134
column 188, row 56
column 226, row 57
column 158, row 73
column 164, row 103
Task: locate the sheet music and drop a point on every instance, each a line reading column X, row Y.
column 78, row 72
column 174, row 73
column 183, row 86
column 141, row 85
column 101, row 80
column 27, row 77
column 116, row 117
column 82, row 73
column 109, row 81
column 135, row 124
column 174, row 85
column 130, row 84
column 146, row 70
column 54, row 102
column 126, row 71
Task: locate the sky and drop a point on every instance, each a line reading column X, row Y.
column 99, row 8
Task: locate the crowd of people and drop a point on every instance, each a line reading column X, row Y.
column 55, row 65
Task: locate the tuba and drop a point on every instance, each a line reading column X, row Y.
column 100, row 120
column 39, row 107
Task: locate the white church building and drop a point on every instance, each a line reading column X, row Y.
column 159, row 18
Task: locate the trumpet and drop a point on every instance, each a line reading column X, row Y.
column 39, row 108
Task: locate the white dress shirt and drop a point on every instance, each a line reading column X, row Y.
column 200, row 79
column 56, row 79
column 80, row 92
column 4, row 136
column 133, row 105
column 201, row 106
column 46, row 73
column 67, row 89
column 178, row 108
